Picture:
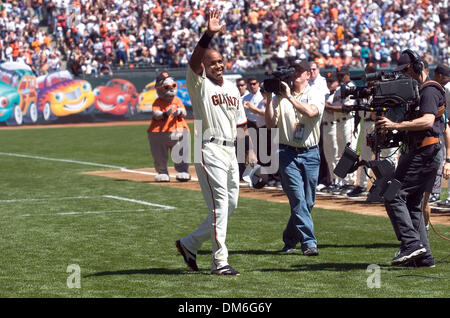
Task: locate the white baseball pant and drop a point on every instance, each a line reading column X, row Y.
column 345, row 124
column 218, row 175
column 329, row 142
column 366, row 152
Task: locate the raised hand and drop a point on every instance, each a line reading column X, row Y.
column 214, row 25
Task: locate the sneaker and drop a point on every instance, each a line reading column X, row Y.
column 409, row 253
column 288, row 250
column 358, row 192
column 347, row 189
column 337, row 189
column 162, row 177
column 311, row 251
column 434, row 198
column 226, row 270
column 189, row 257
column 420, row 262
column 320, row 187
column 329, row 189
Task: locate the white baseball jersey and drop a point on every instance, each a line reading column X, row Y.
column 219, row 107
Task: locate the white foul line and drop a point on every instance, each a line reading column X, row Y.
column 87, row 212
column 160, row 206
column 83, row 163
column 60, row 160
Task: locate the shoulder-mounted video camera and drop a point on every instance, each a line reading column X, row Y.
column 386, row 93
column 273, row 83
column 383, row 90
column 383, row 93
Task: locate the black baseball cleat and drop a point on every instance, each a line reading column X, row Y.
column 357, row 192
column 189, row 257
column 226, row 270
column 420, row 262
column 409, row 253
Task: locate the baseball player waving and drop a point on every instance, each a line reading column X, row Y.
column 216, row 103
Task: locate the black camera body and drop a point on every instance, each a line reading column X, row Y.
column 273, row 83
column 387, row 90
column 384, row 91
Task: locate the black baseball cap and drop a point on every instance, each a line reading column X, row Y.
column 343, row 70
column 403, row 62
column 331, row 77
column 443, row 70
column 161, row 78
column 302, row 64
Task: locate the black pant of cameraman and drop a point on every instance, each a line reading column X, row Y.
column 416, row 171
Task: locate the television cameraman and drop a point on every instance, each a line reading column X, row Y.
column 417, row 165
column 297, row 112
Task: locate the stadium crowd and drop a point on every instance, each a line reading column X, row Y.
column 94, row 35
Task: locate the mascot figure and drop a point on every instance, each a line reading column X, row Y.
column 169, row 131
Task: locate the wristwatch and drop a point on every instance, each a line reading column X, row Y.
column 447, row 160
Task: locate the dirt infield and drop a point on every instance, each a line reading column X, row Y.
column 324, row 201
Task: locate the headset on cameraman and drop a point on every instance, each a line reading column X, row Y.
column 416, row 63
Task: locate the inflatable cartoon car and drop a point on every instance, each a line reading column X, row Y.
column 21, row 78
column 9, row 105
column 117, row 97
column 59, row 94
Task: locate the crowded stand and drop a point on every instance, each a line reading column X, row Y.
column 90, row 37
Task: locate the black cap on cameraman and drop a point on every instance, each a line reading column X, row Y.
column 301, row 65
column 403, row 62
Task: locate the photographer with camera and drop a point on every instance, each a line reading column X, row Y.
column 418, row 163
column 297, row 112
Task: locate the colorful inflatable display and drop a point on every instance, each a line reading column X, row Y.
column 25, row 98
column 61, row 95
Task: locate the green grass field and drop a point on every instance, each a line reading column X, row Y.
column 121, row 234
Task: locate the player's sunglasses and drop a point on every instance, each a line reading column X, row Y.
column 167, row 87
column 240, row 85
column 253, row 83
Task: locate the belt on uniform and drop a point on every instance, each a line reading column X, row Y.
column 328, row 122
column 425, row 142
column 298, row 149
column 227, row 143
column 429, row 141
